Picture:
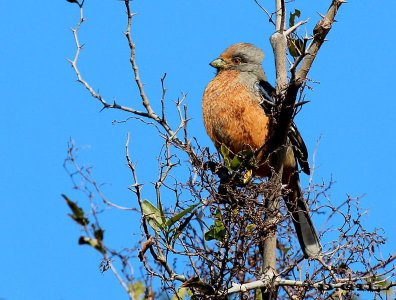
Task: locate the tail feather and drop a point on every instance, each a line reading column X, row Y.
column 305, row 229
column 306, row 233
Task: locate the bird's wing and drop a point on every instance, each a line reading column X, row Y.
column 299, row 148
column 266, row 91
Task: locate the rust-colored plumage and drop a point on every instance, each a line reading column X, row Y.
column 234, row 115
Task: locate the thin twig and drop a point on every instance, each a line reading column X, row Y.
column 266, row 12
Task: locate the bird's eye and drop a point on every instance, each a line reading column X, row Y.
column 236, row 60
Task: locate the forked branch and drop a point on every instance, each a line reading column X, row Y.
column 149, row 113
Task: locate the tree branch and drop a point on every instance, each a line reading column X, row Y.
column 351, row 285
column 320, row 32
column 149, row 113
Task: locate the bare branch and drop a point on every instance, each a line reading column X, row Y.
column 81, row 80
column 350, row 285
column 320, row 32
column 295, row 27
column 215, row 231
column 149, row 113
column 121, row 280
column 265, row 11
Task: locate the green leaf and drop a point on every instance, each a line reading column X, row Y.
column 180, row 215
column 235, row 163
column 95, row 243
column 99, row 234
column 137, row 289
column 216, row 231
column 251, row 227
column 179, row 229
column 163, row 218
column 225, row 152
column 152, row 215
column 77, row 212
column 293, row 15
column 182, row 293
column 296, row 46
column 286, row 250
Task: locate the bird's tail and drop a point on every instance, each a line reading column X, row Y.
column 305, row 229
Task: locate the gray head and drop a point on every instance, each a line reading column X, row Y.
column 244, row 57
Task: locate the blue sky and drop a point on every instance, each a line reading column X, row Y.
column 352, row 110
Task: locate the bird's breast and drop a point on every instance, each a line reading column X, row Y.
column 232, row 114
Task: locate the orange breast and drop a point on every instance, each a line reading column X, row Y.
column 232, row 114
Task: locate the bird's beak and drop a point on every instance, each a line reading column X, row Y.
column 218, row 63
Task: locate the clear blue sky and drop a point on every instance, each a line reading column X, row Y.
column 352, row 109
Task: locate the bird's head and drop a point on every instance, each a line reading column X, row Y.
column 244, row 57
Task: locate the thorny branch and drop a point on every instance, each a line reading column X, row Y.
column 234, row 261
column 75, row 170
column 213, row 249
column 136, row 188
column 149, row 113
column 83, row 181
column 320, row 32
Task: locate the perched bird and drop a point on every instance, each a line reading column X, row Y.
column 236, row 108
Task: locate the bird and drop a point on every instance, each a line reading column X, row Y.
column 236, row 109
